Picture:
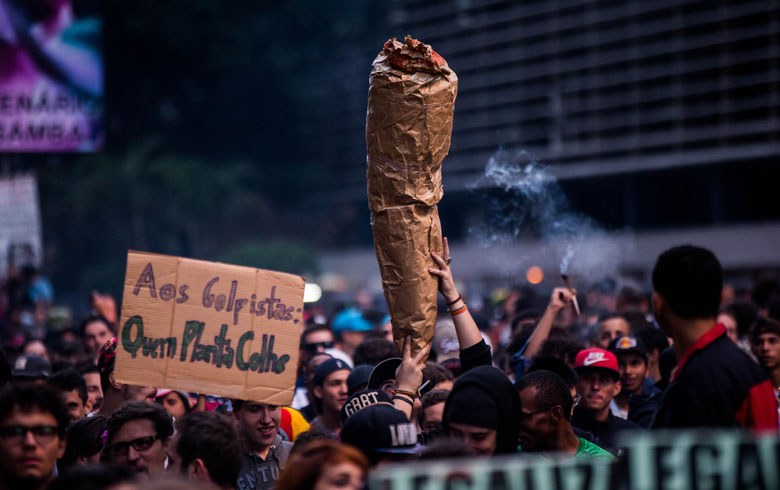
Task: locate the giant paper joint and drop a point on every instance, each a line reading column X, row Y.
column 411, row 98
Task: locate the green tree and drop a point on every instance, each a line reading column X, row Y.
column 280, row 255
column 217, row 115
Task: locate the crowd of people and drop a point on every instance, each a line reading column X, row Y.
column 537, row 378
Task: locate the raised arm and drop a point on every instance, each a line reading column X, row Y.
column 560, row 298
column 408, row 378
column 465, row 327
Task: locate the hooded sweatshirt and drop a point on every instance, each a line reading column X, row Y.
column 484, row 397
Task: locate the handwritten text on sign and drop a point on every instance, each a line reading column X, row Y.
column 191, row 324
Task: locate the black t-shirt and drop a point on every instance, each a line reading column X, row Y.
column 605, row 432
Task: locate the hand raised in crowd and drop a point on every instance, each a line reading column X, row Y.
column 409, row 375
column 465, row 327
column 561, row 297
column 446, row 282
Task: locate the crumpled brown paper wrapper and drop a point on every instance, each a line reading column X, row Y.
column 411, row 99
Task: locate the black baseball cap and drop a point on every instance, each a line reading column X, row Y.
column 764, row 325
column 358, row 378
column 362, row 399
column 383, row 371
column 31, row 366
column 328, row 367
column 628, row 345
column 380, row 428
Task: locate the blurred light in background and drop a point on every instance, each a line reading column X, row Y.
column 334, row 283
column 534, row 274
column 311, row 293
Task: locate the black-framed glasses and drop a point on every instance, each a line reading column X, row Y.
column 526, row 416
column 122, row 448
column 314, row 346
column 43, row 434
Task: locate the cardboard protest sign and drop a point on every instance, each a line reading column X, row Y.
column 213, row 328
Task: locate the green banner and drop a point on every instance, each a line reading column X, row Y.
column 661, row 460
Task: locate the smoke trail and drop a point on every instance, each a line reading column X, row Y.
column 566, row 259
column 531, row 205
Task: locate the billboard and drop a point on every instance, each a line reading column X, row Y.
column 51, row 76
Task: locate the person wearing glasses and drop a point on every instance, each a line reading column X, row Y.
column 138, row 434
column 545, row 418
column 315, row 339
column 569, row 377
column 33, row 420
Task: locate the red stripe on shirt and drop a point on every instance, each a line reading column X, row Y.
column 705, row 340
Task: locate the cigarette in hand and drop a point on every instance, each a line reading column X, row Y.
column 567, row 281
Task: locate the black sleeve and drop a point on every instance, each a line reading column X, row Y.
column 477, row 355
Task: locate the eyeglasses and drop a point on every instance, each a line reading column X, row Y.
column 140, row 444
column 43, row 434
column 525, row 417
column 314, row 346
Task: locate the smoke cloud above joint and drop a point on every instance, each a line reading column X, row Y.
column 525, row 204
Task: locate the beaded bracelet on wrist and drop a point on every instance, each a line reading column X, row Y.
column 450, row 303
column 458, row 311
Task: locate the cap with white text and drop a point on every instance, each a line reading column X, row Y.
column 380, row 428
column 596, row 358
column 362, row 399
